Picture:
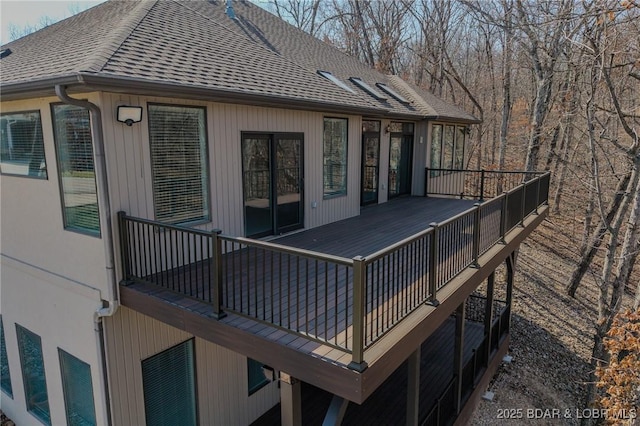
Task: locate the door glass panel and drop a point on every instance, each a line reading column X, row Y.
column 370, row 160
column 400, row 157
column 289, row 164
column 256, row 168
column 405, row 164
column 447, row 147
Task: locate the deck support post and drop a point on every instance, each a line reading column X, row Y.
column 503, row 218
column 476, row 235
column 290, row 400
column 433, row 266
column 488, row 313
column 336, row 411
column 522, row 205
column 413, row 388
column 458, row 353
column 359, row 292
column 426, row 182
column 511, row 266
column 537, row 194
column 124, row 246
column 215, row 280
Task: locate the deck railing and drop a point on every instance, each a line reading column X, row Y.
column 477, row 184
column 345, row 303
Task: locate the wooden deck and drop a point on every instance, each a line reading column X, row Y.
column 377, row 226
column 279, row 327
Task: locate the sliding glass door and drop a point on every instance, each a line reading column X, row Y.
column 273, row 181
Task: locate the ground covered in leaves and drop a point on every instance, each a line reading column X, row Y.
column 551, row 336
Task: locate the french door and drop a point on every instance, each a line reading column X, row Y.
column 370, row 162
column 272, row 170
column 400, row 161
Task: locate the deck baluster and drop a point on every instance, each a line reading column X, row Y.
column 476, row 235
column 359, row 291
column 215, row 280
column 433, row 265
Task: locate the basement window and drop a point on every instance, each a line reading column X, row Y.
column 335, row 80
column 370, row 90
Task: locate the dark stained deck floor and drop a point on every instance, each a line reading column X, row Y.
column 387, row 405
column 279, row 291
column 377, row 226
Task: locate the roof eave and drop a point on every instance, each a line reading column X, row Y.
column 35, row 88
column 472, row 120
column 91, row 82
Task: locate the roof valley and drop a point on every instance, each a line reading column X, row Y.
column 98, row 60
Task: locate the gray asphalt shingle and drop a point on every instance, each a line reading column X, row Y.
column 195, row 44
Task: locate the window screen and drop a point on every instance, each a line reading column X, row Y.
column 436, row 148
column 255, row 375
column 168, row 382
column 335, row 157
column 74, row 149
column 33, row 376
column 458, row 161
column 21, row 145
column 179, row 163
column 5, row 382
column 447, row 147
column 78, row 390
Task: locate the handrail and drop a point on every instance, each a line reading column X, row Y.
column 168, row 226
column 289, row 250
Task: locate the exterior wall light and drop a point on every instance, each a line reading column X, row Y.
column 129, row 114
column 388, row 128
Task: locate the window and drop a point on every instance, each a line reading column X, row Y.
column 179, row 163
column 436, row 148
column 74, row 149
column 255, row 374
column 168, row 382
column 5, row 382
column 78, row 390
column 21, row 145
column 33, row 376
column 458, row 157
column 335, row 157
column 447, row 148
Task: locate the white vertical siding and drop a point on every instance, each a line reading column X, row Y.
column 221, row 374
column 32, row 223
column 130, row 172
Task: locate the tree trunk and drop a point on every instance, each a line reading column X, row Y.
column 597, row 236
column 540, row 108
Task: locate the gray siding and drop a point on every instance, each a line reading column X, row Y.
column 223, row 397
column 130, row 169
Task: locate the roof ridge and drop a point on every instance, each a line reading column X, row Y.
column 117, row 37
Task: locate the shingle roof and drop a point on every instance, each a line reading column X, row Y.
column 195, row 45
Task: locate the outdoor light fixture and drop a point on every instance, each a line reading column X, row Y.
column 388, row 128
column 129, row 114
